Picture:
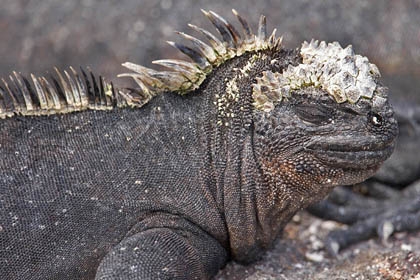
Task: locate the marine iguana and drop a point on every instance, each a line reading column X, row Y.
column 198, row 165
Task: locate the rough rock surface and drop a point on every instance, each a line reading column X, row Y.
column 300, row 255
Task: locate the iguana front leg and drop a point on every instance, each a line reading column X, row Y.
column 170, row 252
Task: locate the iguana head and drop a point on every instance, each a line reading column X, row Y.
column 319, row 114
column 323, row 121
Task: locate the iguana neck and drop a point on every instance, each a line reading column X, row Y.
column 251, row 219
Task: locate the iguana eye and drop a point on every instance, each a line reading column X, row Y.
column 375, row 119
column 313, row 113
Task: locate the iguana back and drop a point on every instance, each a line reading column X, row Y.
column 74, row 185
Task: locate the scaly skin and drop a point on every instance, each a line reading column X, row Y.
column 175, row 189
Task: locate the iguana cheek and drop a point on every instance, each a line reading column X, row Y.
column 301, row 178
column 306, row 179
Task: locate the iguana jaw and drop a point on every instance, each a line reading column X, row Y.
column 338, row 152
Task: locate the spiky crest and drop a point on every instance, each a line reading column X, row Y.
column 64, row 92
column 187, row 76
column 344, row 75
column 72, row 92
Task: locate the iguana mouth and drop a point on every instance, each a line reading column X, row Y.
column 352, row 154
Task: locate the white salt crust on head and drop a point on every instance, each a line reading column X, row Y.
column 345, row 76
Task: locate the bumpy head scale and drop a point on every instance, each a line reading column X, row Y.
column 344, row 75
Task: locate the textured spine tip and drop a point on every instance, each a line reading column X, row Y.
column 262, row 29
column 193, row 54
column 217, row 45
column 245, row 26
column 26, row 95
column 67, row 92
column 41, row 95
column 205, row 49
column 233, row 36
column 221, row 26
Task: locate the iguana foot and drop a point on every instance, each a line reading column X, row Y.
column 385, row 212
